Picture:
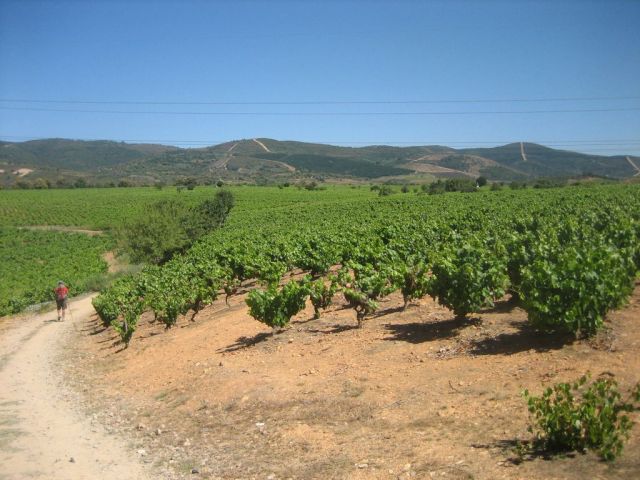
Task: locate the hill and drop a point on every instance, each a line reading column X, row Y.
column 266, row 160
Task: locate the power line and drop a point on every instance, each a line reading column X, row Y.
column 325, row 114
column 321, row 102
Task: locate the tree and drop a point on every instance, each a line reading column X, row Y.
column 208, row 215
column 40, row 183
column 170, row 226
column 157, row 235
column 481, row 181
column 190, row 183
column 385, row 190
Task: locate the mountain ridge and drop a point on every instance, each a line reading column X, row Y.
column 269, row 160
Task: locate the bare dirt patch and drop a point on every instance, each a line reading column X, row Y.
column 64, row 228
column 22, row 172
column 115, row 263
column 413, row 394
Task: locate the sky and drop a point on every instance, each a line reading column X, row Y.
column 195, row 73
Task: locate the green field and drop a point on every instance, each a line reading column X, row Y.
column 516, row 236
column 108, row 208
column 32, row 261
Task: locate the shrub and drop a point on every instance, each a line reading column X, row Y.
column 415, row 280
column 385, row 190
column 169, row 227
column 322, row 294
column 156, row 236
column 368, row 284
column 578, row 417
column 469, row 277
column 570, row 287
column 275, row 307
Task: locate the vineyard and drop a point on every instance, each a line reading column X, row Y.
column 566, row 256
column 109, row 208
column 33, row 261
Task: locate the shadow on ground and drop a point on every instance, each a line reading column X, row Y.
column 245, row 342
column 523, row 339
column 418, row 332
column 333, row 329
column 519, row 451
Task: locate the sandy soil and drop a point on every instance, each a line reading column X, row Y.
column 413, row 394
column 44, row 432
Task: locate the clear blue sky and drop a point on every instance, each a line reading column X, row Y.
column 325, row 51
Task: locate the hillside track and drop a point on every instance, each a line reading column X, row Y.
column 43, row 434
column 266, row 149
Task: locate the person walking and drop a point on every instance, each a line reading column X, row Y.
column 61, row 292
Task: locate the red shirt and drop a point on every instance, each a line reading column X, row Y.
column 61, row 292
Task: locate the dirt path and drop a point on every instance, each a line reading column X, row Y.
column 63, row 228
column 635, row 167
column 522, row 154
column 261, row 144
column 42, row 435
column 222, row 163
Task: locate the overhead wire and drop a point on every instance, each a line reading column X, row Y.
column 322, row 102
column 358, row 114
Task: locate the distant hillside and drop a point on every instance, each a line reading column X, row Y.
column 543, row 161
column 268, row 160
column 58, row 153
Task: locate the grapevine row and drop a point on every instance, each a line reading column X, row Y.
column 568, row 256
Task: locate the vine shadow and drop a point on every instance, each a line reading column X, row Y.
column 333, row 329
column 520, row 451
column 505, row 305
column 418, row 332
column 524, row 338
column 388, row 311
column 245, row 341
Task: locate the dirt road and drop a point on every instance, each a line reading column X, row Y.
column 42, row 433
